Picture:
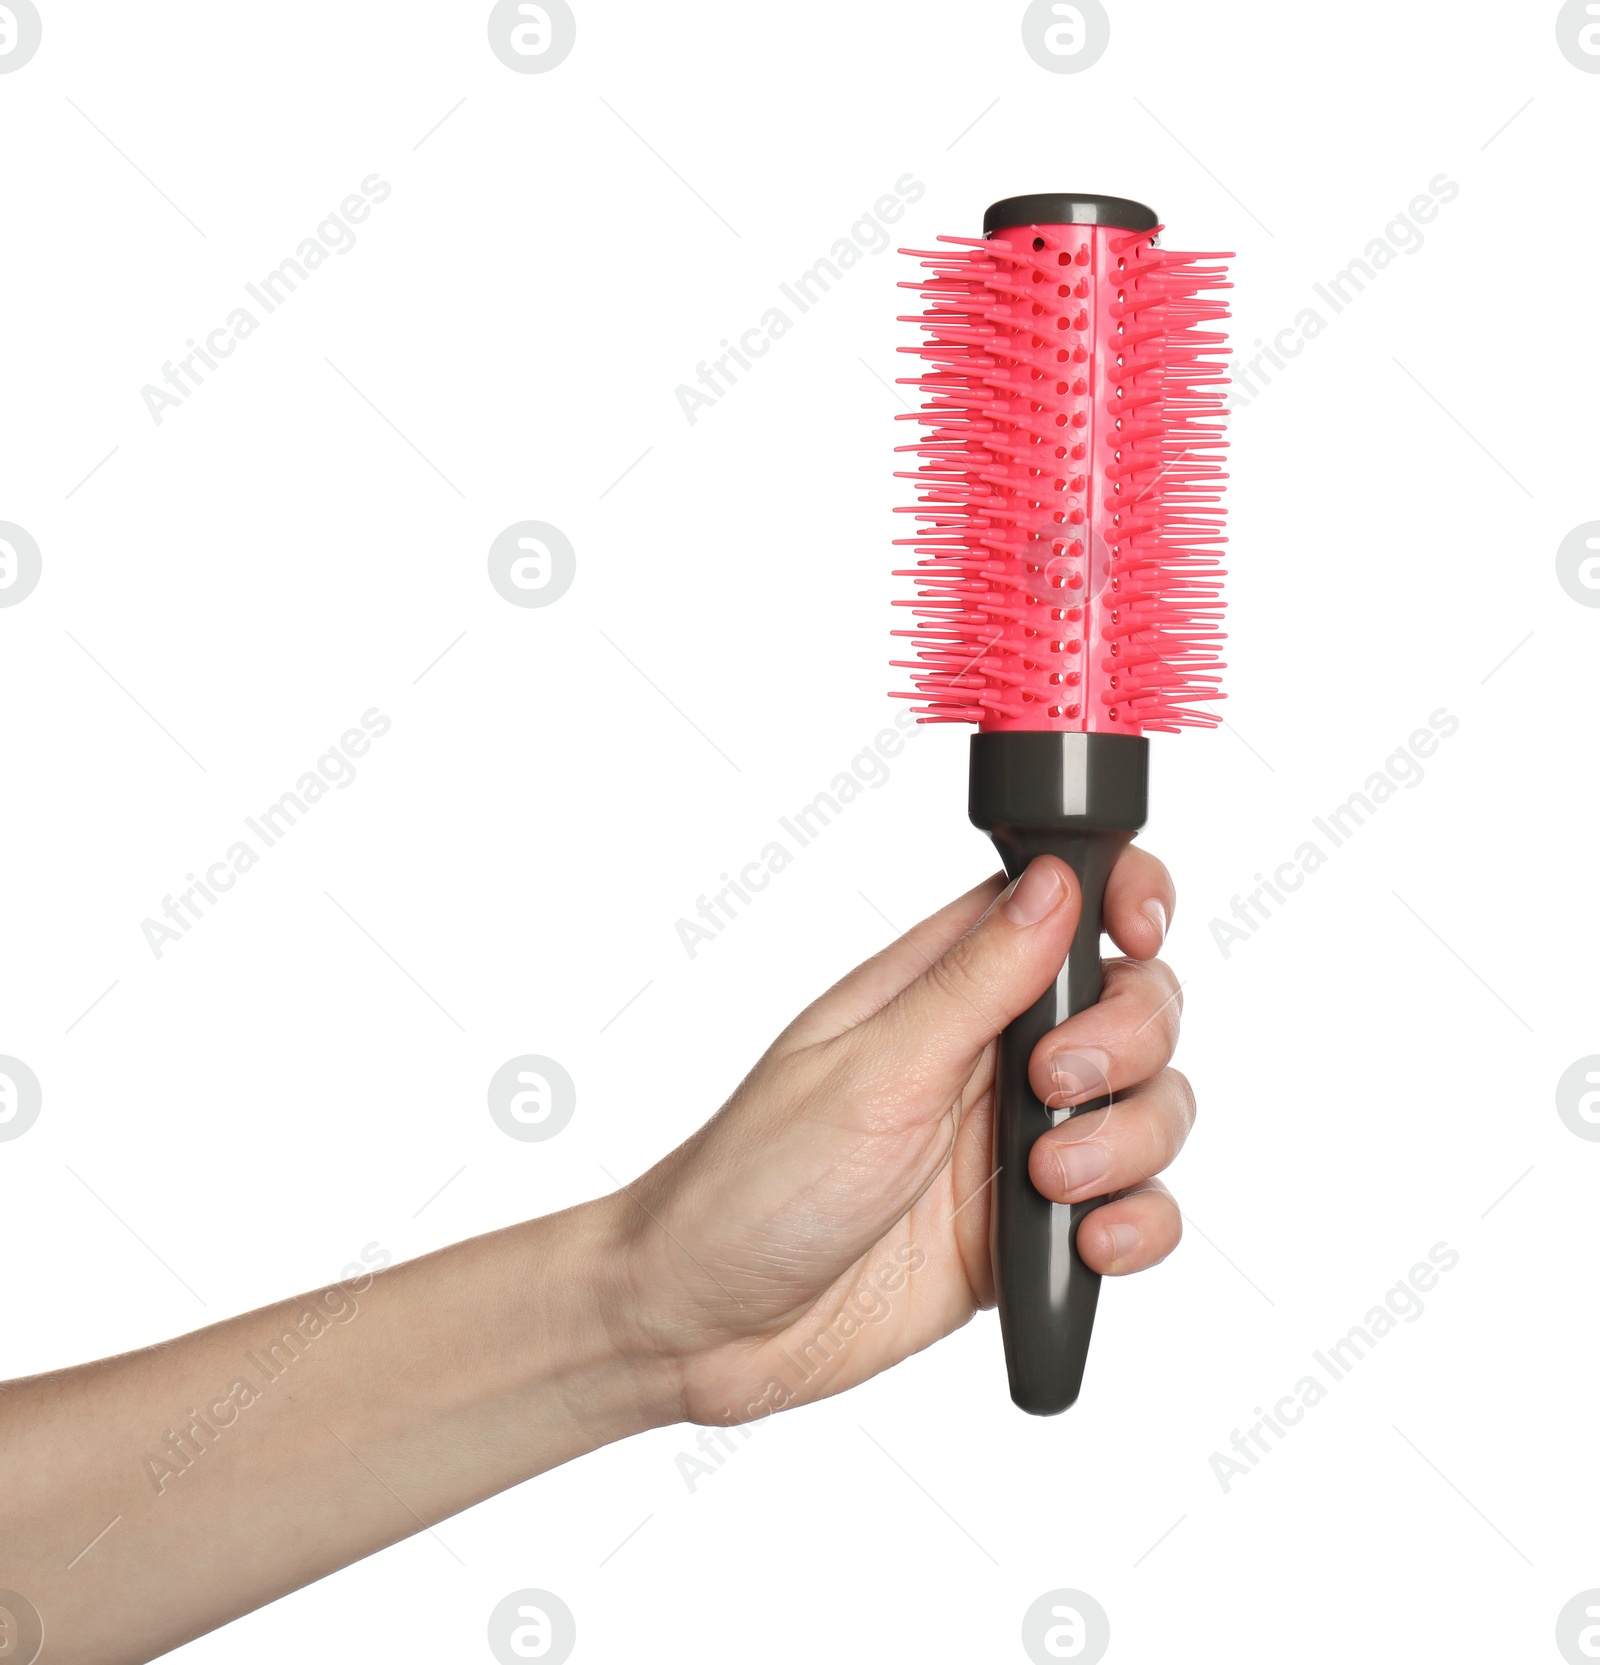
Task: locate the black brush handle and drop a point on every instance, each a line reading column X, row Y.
column 1080, row 797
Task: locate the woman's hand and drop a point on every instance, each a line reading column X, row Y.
column 833, row 1217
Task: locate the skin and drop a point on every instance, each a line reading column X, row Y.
column 830, row 1220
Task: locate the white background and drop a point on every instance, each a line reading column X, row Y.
column 276, row 557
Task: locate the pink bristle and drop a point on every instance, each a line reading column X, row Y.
column 1070, row 504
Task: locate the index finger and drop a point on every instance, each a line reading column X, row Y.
column 1139, row 901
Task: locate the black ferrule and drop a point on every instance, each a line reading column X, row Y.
column 1080, row 797
column 1068, row 208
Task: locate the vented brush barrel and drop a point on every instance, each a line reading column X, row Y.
column 1080, row 797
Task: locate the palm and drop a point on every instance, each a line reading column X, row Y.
column 881, row 1250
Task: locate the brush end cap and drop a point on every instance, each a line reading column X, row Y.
column 1068, row 208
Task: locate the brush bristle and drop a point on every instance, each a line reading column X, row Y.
column 1070, row 482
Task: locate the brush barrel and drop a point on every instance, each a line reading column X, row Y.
column 1080, row 797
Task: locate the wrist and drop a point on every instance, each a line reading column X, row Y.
column 693, row 1356
column 599, row 1317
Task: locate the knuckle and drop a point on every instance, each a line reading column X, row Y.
column 1183, row 1096
column 1167, row 984
column 955, row 974
column 946, row 982
column 1153, row 1001
column 1166, row 1014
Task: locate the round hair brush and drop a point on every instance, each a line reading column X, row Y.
column 1068, row 597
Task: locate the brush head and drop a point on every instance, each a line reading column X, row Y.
column 1070, row 504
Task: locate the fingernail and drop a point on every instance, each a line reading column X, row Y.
column 1157, row 915
column 1081, row 1165
column 1034, row 894
column 1084, row 1072
column 1123, row 1240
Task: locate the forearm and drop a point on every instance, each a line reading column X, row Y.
column 255, row 1456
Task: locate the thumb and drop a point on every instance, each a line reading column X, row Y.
column 945, row 1017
